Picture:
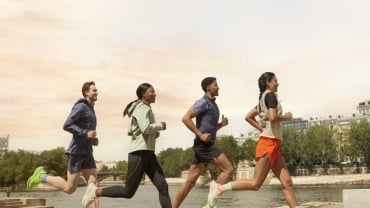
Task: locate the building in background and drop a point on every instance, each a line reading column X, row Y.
column 297, row 123
column 334, row 122
column 364, row 108
column 4, row 144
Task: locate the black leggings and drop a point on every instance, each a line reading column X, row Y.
column 141, row 162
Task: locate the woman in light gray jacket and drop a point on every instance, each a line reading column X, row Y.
column 143, row 132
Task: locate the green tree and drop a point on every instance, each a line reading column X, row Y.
column 229, row 146
column 174, row 160
column 341, row 138
column 318, row 147
column 359, row 138
column 7, row 170
column 104, row 168
column 24, row 167
column 248, row 150
column 122, row 167
column 16, row 167
column 290, row 148
column 55, row 161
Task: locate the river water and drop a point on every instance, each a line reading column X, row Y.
column 146, row 196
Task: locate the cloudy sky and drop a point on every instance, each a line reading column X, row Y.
column 319, row 50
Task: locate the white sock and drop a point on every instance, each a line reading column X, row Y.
column 225, row 187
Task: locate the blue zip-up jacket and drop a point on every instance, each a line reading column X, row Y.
column 81, row 120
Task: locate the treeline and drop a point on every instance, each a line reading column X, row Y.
column 318, row 146
column 326, row 147
column 175, row 160
column 16, row 167
column 321, row 146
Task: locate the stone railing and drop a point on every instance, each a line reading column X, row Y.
column 12, row 202
column 248, row 172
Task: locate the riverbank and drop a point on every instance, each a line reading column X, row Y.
column 266, row 197
column 354, row 179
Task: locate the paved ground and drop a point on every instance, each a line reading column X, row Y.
column 318, row 205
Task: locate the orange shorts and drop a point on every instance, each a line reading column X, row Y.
column 270, row 147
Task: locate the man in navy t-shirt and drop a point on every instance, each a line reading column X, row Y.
column 207, row 114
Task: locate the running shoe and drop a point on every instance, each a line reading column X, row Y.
column 208, row 206
column 213, row 194
column 89, row 195
column 35, row 179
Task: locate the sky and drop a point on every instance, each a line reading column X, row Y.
column 318, row 49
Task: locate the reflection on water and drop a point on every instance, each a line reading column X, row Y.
column 266, row 197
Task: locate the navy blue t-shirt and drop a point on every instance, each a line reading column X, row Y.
column 206, row 119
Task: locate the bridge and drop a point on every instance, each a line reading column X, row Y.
column 116, row 175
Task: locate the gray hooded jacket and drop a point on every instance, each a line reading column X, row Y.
column 143, row 128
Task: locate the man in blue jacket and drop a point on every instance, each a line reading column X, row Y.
column 81, row 123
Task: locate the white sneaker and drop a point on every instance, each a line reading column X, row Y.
column 89, row 195
column 213, row 194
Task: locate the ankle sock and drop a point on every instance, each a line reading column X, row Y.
column 43, row 177
column 225, row 187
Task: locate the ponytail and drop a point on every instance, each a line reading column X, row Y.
column 125, row 112
column 141, row 89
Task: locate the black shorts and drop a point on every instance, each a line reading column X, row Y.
column 204, row 154
column 78, row 162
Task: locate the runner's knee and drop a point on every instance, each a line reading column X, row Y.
column 287, row 183
column 229, row 171
column 130, row 194
column 70, row 189
column 255, row 185
column 163, row 188
column 161, row 185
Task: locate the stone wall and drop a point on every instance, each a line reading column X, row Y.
column 248, row 172
column 331, row 171
column 11, row 202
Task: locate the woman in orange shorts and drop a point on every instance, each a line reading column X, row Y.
column 268, row 148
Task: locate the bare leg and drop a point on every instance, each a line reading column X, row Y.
column 260, row 172
column 227, row 169
column 194, row 172
column 91, row 176
column 68, row 186
column 283, row 175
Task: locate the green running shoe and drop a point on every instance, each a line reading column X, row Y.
column 209, row 206
column 35, row 179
